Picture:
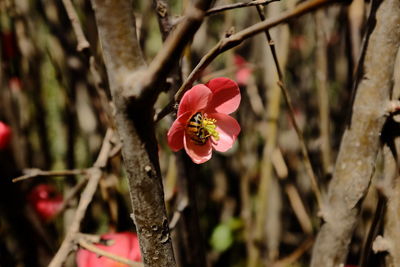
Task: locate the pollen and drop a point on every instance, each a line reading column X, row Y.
column 210, row 126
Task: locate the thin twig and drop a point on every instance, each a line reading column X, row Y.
column 173, row 47
column 32, row 173
column 161, row 9
column 288, row 101
column 71, row 195
column 76, row 26
column 236, row 39
column 306, row 245
column 94, row 174
column 218, row 9
column 178, row 212
column 84, row 46
column 303, row 148
column 322, row 92
column 86, row 198
column 101, row 252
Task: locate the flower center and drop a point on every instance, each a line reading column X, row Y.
column 200, row 128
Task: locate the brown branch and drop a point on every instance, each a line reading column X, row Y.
column 161, row 9
column 219, row 9
column 296, row 254
column 76, row 26
column 94, row 175
column 86, row 198
column 32, row 173
column 171, row 52
column 322, row 92
column 101, row 252
column 361, row 140
column 134, row 121
column 236, row 39
column 71, row 195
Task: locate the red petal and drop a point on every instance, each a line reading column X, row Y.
column 226, row 95
column 5, row 135
column 195, row 99
column 228, row 129
column 176, row 132
column 198, row 153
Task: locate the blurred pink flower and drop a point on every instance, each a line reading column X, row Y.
column 124, row 244
column 203, row 122
column 45, row 200
column 243, row 71
column 5, row 135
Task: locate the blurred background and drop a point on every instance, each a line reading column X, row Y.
column 253, row 203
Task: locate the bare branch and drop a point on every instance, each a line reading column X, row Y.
column 101, row 252
column 86, row 198
column 218, row 9
column 161, row 9
column 361, row 140
column 32, row 173
column 94, row 175
column 76, row 26
column 236, row 39
column 171, row 51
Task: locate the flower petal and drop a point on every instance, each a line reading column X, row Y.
column 226, row 95
column 228, row 129
column 176, row 132
column 195, row 99
column 198, row 153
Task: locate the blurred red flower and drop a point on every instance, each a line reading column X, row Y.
column 5, row 135
column 243, row 71
column 203, row 122
column 45, row 200
column 124, row 244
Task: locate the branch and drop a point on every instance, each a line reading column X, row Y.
column 86, row 198
column 94, row 175
column 236, row 39
column 361, row 140
column 171, row 52
column 134, row 121
column 161, row 9
column 218, row 9
column 101, row 252
column 76, row 26
column 32, row 173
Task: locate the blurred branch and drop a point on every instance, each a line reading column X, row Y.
column 321, row 68
column 76, row 26
column 84, row 243
column 94, row 175
column 218, row 9
column 295, row 255
column 235, row 40
column 361, row 140
column 71, row 195
column 293, row 194
column 264, row 214
column 86, row 197
column 32, row 173
column 161, row 9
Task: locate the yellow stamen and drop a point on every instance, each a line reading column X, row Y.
column 210, row 127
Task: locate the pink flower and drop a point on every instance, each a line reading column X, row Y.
column 122, row 244
column 46, row 201
column 5, row 135
column 203, row 122
column 243, row 71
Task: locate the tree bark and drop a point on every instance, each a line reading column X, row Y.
column 361, row 140
column 134, row 121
